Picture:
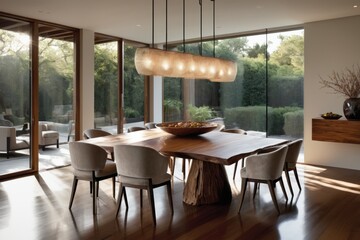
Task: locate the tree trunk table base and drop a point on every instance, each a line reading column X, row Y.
column 207, row 183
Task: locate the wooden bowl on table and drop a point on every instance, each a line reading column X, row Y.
column 187, row 128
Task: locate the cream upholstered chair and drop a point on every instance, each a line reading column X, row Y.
column 90, row 164
column 9, row 142
column 291, row 160
column 143, row 168
column 265, row 167
column 134, row 129
column 48, row 135
column 150, row 125
column 93, row 133
column 238, row 131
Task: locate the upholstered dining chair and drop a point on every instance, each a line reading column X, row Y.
column 90, row 164
column 267, row 168
column 94, row 133
column 143, row 168
column 238, row 131
column 150, row 125
column 134, row 129
column 292, row 156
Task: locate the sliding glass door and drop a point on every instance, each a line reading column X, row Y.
column 15, row 101
column 56, row 94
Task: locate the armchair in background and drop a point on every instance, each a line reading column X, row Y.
column 48, row 135
column 9, row 142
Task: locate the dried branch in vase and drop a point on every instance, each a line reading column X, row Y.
column 346, row 83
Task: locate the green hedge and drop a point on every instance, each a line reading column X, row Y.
column 292, row 121
column 254, row 117
column 248, row 118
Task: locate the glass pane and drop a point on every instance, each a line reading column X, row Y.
column 133, row 91
column 244, row 100
column 106, row 86
column 286, row 84
column 266, row 98
column 56, row 77
column 15, row 111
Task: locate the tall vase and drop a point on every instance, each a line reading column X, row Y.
column 351, row 108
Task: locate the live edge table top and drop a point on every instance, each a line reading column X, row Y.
column 216, row 147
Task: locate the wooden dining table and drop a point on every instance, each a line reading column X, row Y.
column 207, row 180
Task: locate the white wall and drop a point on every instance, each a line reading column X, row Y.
column 329, row 45
column 86, row 80
column 157, row 99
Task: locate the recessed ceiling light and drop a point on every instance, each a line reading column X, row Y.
column 355, row 6
column 138, row 25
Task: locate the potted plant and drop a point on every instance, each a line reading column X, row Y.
column 347, row 83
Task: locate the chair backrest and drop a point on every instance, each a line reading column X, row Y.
column 93, row 133
column 87, row 157
column 266, row 166
column 293, row 151
column 139, row 161
column 234, row 130
column 150, row 125
column 134, row 129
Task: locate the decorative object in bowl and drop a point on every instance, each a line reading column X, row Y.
column 188, row 128
column 331, row 115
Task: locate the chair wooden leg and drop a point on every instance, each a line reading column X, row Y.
column 90, row 187
column 73, row 190
column 283, row 188
column 273, row 196
column 289, row 182
column 297, row 178
column 122, row 192
column 94, row 193
column 151, row 201
column 141, row 198
column 125, row 198
column 113, row 185
column 243, row 189
column 255, row 189
column 184, row 168
column 168, row 187
column 235, row 167
column 172, row 165
column 97, row 189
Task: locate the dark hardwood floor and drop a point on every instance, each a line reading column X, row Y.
column 36, row 207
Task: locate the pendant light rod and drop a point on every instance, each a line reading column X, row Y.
column 166, row 24
column 153, row 24
column 213, row 27
column 184, row 26
column 201, row 42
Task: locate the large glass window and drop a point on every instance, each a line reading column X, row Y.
column 266, row 97
column 56, row 92
column 106, row 86
column 134, row 90
column 15, row 87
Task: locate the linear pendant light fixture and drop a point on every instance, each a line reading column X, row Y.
column 157, row 62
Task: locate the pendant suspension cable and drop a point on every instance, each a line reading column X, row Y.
column 166, row 24
column 201, row 42
column 213, row 27
column 184, row 26
column 153, row 24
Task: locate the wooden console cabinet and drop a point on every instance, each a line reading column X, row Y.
column 342, row 130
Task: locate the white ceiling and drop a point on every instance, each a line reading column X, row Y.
column 131, row 19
